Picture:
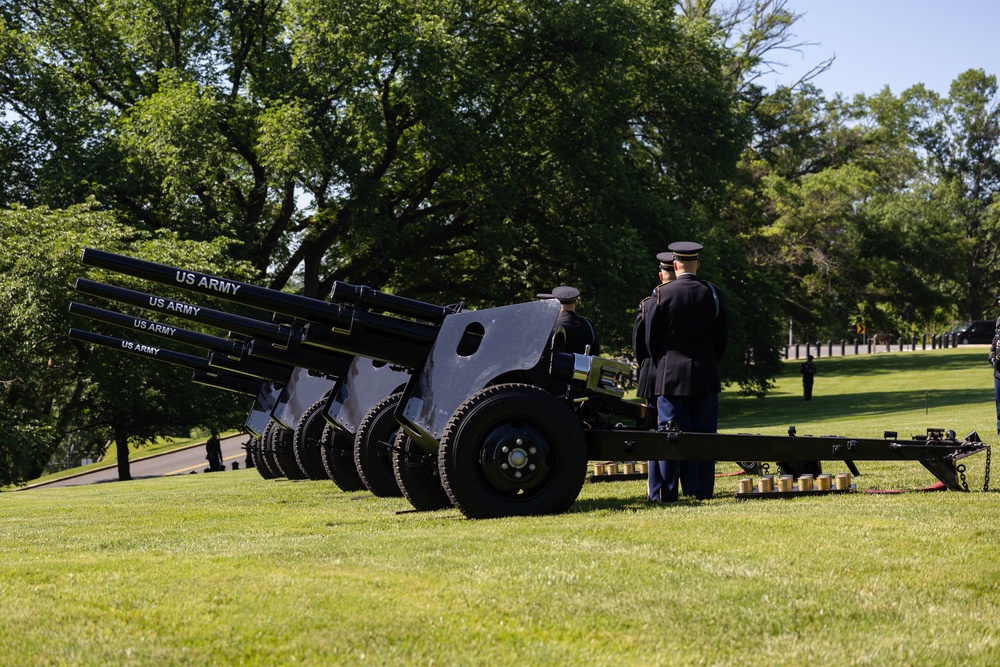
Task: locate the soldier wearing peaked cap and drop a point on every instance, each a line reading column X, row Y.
column 647, row 367
column 580, row 331
column 659, row 472
column 994, row 351
column 686, row 334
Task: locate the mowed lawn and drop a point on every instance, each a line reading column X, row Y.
column 231, row 569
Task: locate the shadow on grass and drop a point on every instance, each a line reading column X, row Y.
column 633, row 504
column 788, row 410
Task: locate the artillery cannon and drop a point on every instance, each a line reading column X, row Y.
column 287, row 420
column 293, row 444
column 495, row 413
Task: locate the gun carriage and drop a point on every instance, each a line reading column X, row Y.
column 493, row 416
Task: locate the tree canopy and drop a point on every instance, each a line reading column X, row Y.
column 444, row 149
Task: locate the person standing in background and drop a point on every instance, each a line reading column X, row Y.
column 213, row 452
column 580, row 331
column 994, row 346
column 808, row 371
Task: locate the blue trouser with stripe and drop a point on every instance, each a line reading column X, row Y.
column 696, row 414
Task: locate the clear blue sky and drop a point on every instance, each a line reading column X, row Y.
column 897, row 43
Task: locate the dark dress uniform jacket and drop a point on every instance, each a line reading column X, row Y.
column 580, row 333
column 646, row 382
column 686, row 333
column 994, row 352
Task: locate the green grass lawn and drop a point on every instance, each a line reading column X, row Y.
column 234, row 569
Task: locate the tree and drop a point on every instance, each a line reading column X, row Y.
column 832, row 203
column 757, row 33
column 53, row 389
column 959, row 139
column 412, row 146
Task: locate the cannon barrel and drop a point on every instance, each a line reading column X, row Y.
column 344, row 319
column 292, row 305
column 275, row 343
column 343, row 329
column 260, row 370
column 246, row 326
column 141, row 349
column 203, row 372
column 143, row 325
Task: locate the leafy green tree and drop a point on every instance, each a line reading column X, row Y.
column 834, row 203
column 959, row 140
column 391, row 143
column 54, row 390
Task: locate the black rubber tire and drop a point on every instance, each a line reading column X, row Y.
column 500, row 433
column 337, row 452
column 306, row 442
column 266, row 466
column 281, row 449
column 417, row 476
column 372, row 452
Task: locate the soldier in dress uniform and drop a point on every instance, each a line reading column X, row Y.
column 686, row 334
column 658, row 472
column 994, row 350
column 213, row 452
column 808, row 371
column 580, row 331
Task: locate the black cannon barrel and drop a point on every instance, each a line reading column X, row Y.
column 143, row 325
column 404, row 353
column 363, row 295
column 203, row 373
column 320, row 361
column 298, row 306
column 293, row 305
column 141, row 349
column 251, row 295
column 227, row 382
column 260, row 370
column 273, row 341
column 246, row 326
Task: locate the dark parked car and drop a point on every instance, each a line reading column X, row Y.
column 980, row 331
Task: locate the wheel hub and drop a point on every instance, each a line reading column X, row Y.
column 514, row 457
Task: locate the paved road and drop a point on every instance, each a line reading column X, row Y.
column 177, row 462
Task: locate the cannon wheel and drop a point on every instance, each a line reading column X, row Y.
column 417, row 475
column 306, row 439
column 281, row 449
column 372, row 451
column 337, row 451
column 512, row 450
column 266, row 466
column 255, row 452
